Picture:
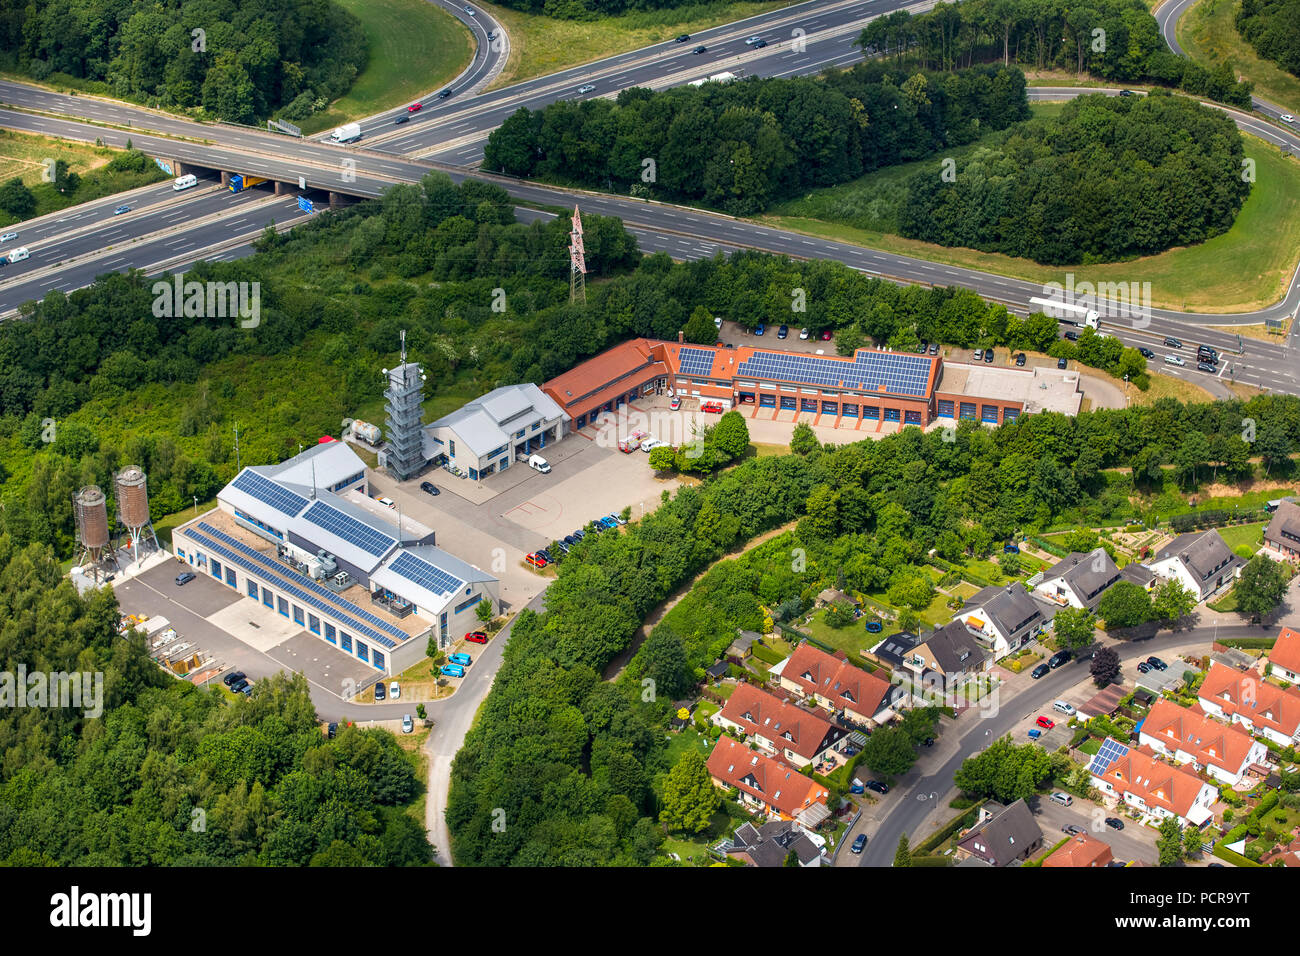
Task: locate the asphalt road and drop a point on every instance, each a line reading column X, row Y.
column 907, row 813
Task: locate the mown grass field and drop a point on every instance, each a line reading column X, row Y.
column 1246, row 268
column 540, row 45
column 1208, row 34
column 414, row 48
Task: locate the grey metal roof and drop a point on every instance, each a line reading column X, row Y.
column 1010, row 608
column 425, row 598
column 490, row 421
column 331, row 462
column 1089, row 575
column 1203, row 553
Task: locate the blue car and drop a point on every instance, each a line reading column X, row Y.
column 1034, row 733
column 121, row 209
column 460, row 658
column 874, row 627
column 857, row 788
column 568, row 541
column 760, row 329
column 452, row 670
column 609, row 522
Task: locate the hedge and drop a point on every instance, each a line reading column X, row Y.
column 931, row 861
column 1047, row 546
column 1249, row 643
column 1236, row 859
column 947, row 830
column 767, row 655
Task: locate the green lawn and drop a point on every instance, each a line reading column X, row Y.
column 540, row 44
column 1208, row 34
column 1245, row 269
column 851, row 639
column 1244, row 539
column 414, row 48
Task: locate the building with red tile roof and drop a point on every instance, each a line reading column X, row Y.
column 1285, row 656
column 1249, row 700
column 779, row 728
column 1189, row 735
column 1081, row 850
column 777, row 790
column 1153, row 786
column 836, row 684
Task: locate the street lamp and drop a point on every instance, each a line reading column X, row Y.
column 196, row 506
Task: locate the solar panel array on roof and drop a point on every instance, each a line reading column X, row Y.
column 697, row 361
column 350, row 529
column 428, row 576
column 268, row 492
column 1111, row 750
column 899, row 373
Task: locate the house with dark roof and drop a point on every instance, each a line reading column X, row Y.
column 947, row 657
column 766, row 784
column 780, row 728
column 770, row 845
column 1079, row 580
column 1005, row 836
column 1282, row 536
column 1200, row 560
column 831, row 681
column 1007, row 617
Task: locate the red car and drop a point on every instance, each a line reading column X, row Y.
column 415, row 107
column 1046, row 723
column 826, row 336
column 536, row 560
column 711, row 407
column 476, row 637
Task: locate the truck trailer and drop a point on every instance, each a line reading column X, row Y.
column 238, row 182
column 1067, row 312
column 347, row 134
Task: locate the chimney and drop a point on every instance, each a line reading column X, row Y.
column 681, row 336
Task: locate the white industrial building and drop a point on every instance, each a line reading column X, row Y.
column 298, row 537
column 491, row 433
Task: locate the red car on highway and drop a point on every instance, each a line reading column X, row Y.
column 476, row 637
column 415, row 107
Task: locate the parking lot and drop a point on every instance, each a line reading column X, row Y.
column 1134, row 842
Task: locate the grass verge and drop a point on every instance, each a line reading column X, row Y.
column 1208, row 34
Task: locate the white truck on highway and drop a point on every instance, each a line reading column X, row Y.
column 1066, row 312
column 724, row 77
column 347, row 134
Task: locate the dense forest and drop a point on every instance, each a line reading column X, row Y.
column 738, row 146
column 241, row 60
column 568, row 761
column 1111, row 178
column 1272, row 27
column 171, row 775
column 92, row 381
column 1111, row 39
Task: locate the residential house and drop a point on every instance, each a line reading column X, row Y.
column 1285, row 656
column 1189, row 735
column 1247, row 699
column 780, row 728
column 1200, row 561
column 767, row 785
column 1080, row 580
column 838, row 685
column 1005, row 836
column 1081, row 850
column 770, row 845
column 1007, row 617
column 1137, row 778
column 947, row 657
column 1282, row 536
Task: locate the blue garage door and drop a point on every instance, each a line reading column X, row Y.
column 850, row 411
column 989, row 413
column 767, row 401
column 787, row 403
column 946, row 409
column 582, row 421
column 1010, row 414
column 807, row 404
column 967, row 409
column 912, row 418
column 891, row 414
column 216, row 569
column 871, row 411
column 830, row 408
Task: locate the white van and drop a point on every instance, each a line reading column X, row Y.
column 185, row 182
column 386, row 502
column 538, row 463
column 1064, row 707
column 19, row 254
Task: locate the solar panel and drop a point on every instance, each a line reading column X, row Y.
column 697, row 361
column 268, row 492
column 1111, row 750
column 428, row 576
column 899, row 373
column 349, row 529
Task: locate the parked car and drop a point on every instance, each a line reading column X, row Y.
column 579, row 534
column 877, row 786
column 1047, row 723
column 476, row 637
column 826, row 335
column 246, row 689
column 609, row 521
column 452, row 670
column 331, row 730
column 1115, row 823
column 429, row 488
column 408, row 725
column 804, row 333
column 569, row 539
column 979, row 355
column 783, row 331
column 859, row 843
column 544, row 555
column 988, row 356
column 1064, row 707
column 760, row 329
column 712, row 407
column 934, row 348
column 379, row 691
column 619, row 519
column 1040, row 671
column 234, row 677
column 1073, row 829
column 1034, row 733
column 856, row 787
column 1157, row 663
column 1061, row 363
column 1020, row 359
column 675, row 404
column 394, row 690
column 185, row 577
column 536, row 560
column 1057, row 659
column 1072, row 336
column 1144, row 667
column 461, row 658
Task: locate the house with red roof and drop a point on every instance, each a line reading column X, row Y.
column 780, row 728
column 766, row 784
column 1189, row 735
column 1150, row 785
column 833, row 682
column 1285, row 656
column 1081, row 850
column 1249, row 700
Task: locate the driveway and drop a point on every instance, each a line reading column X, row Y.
column 1134, row 842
